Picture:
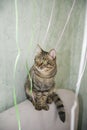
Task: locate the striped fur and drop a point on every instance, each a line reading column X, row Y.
column 43, row 74
column 59, row 105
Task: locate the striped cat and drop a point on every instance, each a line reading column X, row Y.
column 43, row 85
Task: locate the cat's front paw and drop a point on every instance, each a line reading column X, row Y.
column 37, row 107
column 46, row 107
column 49, row 100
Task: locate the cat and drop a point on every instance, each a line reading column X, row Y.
column 43, row 82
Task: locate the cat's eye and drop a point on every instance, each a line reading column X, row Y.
column 49, row 63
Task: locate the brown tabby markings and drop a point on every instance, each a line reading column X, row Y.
column 43, row 73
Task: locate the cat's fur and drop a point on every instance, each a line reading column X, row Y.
column 43, row 85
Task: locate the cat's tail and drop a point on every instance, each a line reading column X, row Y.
column 60, row 107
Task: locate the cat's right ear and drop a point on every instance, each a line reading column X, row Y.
column 38, row 49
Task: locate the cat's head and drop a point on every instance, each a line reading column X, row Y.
column 45, row 60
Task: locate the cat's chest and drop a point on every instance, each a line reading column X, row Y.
column 42, row 84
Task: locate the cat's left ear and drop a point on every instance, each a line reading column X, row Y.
column 52, row 53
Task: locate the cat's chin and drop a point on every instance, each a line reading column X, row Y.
column 40, row 69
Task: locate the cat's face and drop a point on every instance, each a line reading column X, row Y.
column 45, row 60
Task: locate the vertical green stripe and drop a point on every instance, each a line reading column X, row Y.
column 15, row 66
column 29, row 77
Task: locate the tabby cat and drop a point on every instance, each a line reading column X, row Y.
column 43, row 85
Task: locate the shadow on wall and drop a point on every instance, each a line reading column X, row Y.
column 80, row 112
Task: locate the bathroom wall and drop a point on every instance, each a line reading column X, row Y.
column 33, row 18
